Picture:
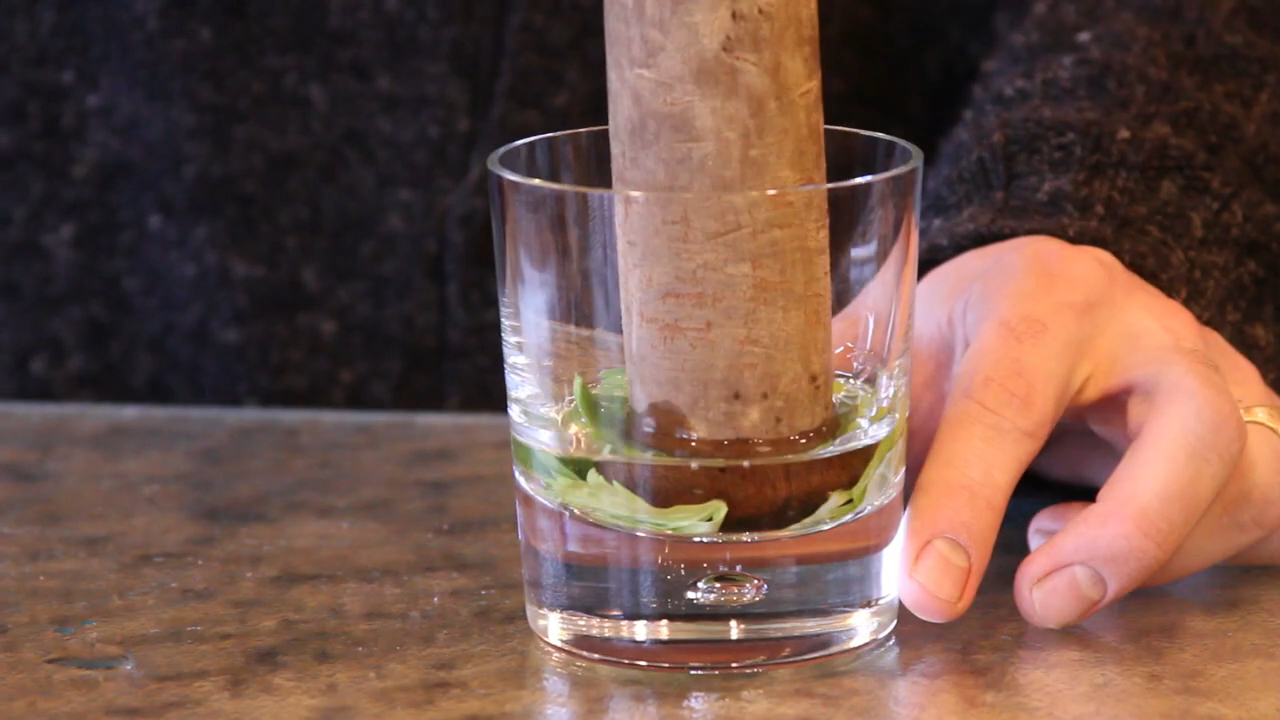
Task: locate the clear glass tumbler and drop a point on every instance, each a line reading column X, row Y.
column 698, row 560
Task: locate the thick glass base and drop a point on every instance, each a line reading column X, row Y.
column 713, row 644
column 699, row 605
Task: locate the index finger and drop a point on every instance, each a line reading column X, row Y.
column 1012, row 385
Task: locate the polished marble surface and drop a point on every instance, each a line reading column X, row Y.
column 161, row 563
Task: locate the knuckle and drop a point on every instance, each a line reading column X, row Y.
column 1105, row 259
column 1213, row 339
column 1192, row 344
column 1067, row 273
column 1180, row 322
column 1234, row 366
column 1047, row 255
column 1006, row 402
column 1023, row 330
column 1199, row 359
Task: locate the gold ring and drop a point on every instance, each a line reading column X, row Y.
column 1268, row 416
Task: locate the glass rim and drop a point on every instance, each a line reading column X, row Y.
column 494, row 163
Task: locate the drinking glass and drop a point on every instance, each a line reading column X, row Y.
column 639, row 556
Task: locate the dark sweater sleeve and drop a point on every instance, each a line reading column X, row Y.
column 1150, row 129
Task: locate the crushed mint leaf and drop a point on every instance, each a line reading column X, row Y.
column 613, row 382
column 614, row 503
column 578, row 484
column 545, row 465
column 600, row 411
column 845, row 502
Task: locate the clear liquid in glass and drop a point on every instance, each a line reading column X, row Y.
column 598, row 588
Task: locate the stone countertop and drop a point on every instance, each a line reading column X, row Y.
column 268, row 564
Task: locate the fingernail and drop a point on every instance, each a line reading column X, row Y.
column 1036, row 538
column 942, row 567
column 1065, row 595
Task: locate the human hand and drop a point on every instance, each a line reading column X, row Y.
column 1037, row 353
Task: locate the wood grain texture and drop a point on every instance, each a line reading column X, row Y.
column 726, row 297
column 343, row 566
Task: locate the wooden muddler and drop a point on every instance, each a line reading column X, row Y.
column 726, row 298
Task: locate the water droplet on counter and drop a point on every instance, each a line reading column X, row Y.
column 90, row 660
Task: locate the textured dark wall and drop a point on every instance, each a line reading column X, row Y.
column 226, row 201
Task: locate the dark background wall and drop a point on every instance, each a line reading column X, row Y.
column 228, row 201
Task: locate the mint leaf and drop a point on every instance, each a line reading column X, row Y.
column 603, row 412
column 613, row 503
column 845, row 502
column 546, row 466
column 613, row 382
column 586, row 403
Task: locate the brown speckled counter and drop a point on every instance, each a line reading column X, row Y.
column 255, row 564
